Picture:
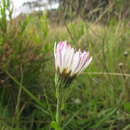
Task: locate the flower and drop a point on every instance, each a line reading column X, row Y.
column 69, row 62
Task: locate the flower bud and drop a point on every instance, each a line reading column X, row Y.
column 126, row 53
column 121, row 65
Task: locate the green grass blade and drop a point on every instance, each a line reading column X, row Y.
column 27, row 92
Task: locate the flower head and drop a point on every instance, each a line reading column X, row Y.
column 69, row 62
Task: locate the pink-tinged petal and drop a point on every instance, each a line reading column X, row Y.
column 61, row 45
column 83, row 57
column 86, row 64
column 58, row 54
column 79, row 62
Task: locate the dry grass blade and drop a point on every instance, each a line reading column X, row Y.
column 106, row 73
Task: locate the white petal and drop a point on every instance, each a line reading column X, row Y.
column 63, row 56
column 68, row 57
column 75, row 62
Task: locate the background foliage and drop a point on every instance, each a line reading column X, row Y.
column 99, row 98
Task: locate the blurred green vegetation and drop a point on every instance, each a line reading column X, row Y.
column 99, row 10
column 99, row 98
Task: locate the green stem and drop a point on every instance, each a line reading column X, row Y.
column 60, row 89
column 59, row 100
column 58, row 110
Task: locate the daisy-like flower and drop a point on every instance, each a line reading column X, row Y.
column 68, row 62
